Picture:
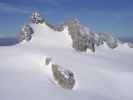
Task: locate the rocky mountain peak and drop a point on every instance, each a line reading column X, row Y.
column 36, row 18
column 82, row 37
column 26, row 33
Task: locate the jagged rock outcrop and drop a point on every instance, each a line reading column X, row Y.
column 108, row 38
column 83, row 39
column 64, row 78
column 36, row 18
column 26, row 33
column 81, row 36
column 59, row 28
column 130, row 45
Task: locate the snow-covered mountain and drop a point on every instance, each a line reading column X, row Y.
column 82, row 37
column 26, row 71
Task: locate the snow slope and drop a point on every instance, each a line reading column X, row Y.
column 105, row 75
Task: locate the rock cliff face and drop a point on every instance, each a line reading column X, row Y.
column 81, row 36
column 26, row 33
column 83, row 39
column 108, row 38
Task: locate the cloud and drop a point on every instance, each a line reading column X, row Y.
column 13, row 9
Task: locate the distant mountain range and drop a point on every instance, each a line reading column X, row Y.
column 127, row 39
column 6, row 41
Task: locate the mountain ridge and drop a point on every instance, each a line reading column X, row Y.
column 82, row 38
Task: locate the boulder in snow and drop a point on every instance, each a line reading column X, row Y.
column 47, row 60
column 64, row 78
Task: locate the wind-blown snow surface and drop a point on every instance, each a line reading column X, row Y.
column 105, row 75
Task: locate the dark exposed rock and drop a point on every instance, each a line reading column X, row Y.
column 56, row 27
column 108, row 38
column 26, row 33
column 64, row 78
column 36, row 18
column 81, row 36
column 28, row 37
column 130, row 45
column 47, row 60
